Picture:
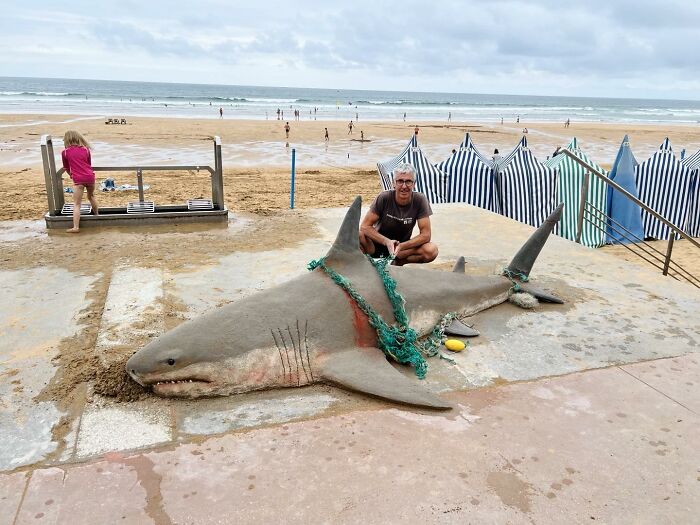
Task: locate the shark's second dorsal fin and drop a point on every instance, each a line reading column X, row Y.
column 347, row 242
column 525, row 258
column 459, row 265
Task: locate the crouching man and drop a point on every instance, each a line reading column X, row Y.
column 387, row 227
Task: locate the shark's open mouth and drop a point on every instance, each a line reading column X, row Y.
column 174, row 387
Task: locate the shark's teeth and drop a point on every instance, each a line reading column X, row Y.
column 174, row 382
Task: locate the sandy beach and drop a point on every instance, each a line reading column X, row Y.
column 257, row 156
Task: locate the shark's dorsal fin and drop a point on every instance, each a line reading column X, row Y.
column 367, row 370
column 347, row 242
column 459, row 266
column 525, row 258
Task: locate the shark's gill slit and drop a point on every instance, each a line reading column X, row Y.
column 286, row 351
column 294, row 347
column 301, row 355
column 279, row 350
column 306, row 347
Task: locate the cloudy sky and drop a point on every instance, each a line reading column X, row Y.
column 617, row 48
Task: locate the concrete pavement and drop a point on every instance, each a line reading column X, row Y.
column 607, row 441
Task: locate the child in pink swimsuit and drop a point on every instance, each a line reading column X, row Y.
column 78, row 164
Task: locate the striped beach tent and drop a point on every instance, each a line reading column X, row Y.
column 664, row 184
column 625, row 224
column 527, row 189
column 693, row 164
column 429, row 180
column 470, row 177
column 571, row 177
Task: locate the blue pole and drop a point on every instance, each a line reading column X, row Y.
column 291, row 194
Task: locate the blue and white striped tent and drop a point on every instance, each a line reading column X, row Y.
column 527, row 189
column 429, row 180
column 571, row 177
column 470, row 177
column 693, row 164
column 664, row 184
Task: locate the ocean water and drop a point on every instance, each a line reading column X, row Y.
column 117, row 98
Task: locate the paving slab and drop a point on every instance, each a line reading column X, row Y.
column 103, row 492
column 39, row 308
column 133, row 309
column 11, row 490
column 677, row 378
column 119, row 426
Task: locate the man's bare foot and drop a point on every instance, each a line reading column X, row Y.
column 73, row 230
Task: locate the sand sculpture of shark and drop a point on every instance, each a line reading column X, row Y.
column 309, row 330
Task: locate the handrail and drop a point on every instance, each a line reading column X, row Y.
column 627, row 194
column 668, row 263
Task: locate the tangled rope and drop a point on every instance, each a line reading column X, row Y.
column 512, row 275
column 398, row 341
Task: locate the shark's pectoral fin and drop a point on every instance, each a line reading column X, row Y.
column 367, row 370
column 458, row 328
column 543, row 296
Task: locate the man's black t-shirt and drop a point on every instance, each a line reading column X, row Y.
column 397, row 222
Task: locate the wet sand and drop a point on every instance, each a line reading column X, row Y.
column 256, row 155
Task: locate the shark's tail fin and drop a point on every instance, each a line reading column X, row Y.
column 525, row 258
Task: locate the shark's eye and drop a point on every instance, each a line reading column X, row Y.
column 170, row 361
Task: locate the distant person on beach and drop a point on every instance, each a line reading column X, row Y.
column 567, row 123
column 501, row 120
column 350, row 128
column 524, row 131
column 415, row 131
column 278, row 113
column 78, row 164
column 496, row 156
column 286, row 129
column 517, row 120
column 326, row 135
column 387, row 227
column 449, row 117
column 357, row 117
column 404, row 117
column 221, row 112
column 362, row 136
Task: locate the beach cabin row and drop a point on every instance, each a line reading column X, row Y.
column 520, row 187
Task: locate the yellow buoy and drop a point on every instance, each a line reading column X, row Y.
column 455, row 345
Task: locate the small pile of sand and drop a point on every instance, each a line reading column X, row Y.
column 114, row 382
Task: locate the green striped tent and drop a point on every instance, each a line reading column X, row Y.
column 571, row 175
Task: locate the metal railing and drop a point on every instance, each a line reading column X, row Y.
column 601, row 221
